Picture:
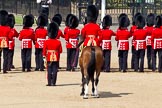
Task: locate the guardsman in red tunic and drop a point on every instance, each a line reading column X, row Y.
column 122, row 36
column 150, row 23
column 72, row 38
column 51, row 53
column 91, row 31
column 26, row 37
column 14, row 34
column 105, row 38
column 40, row 37
column 156, row 38
column 67, row 23
column 132, row 29
column 139, row 36
column 57, row 20
column 4, row 38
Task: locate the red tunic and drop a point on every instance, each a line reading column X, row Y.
column 27, row 36
column 13, row 33
column 105, row 38
column 149, row 32
column 52, row 49
column 132, row 29
column 40, row 36
column 71, row 38
column 4, row 36
column 122, row 36
column 59, row 34
column 91, row 33
column 156, row 38
column 139, row 36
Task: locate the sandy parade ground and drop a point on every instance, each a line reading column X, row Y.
column 117, row 90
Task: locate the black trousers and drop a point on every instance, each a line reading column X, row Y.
column 5, row 59
column 26, row 58
column 52, row 68
column 71, row 52
column 107, row 59
column 10, row 58
column 39, row 58
column 149, row 60
column 123, row 56
column 153, row 54
column 139, row 59
column 133, row 56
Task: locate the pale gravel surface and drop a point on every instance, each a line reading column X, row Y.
column 117, row 90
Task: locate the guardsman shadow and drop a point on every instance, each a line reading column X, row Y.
column 112, row 95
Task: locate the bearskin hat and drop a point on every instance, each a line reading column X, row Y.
column 150, row 19
column 28, row 21
column 107, row 21
column 158, row 21
column 74, row 22
column 134, row 17
column 67, row 19
column 123, row 20
column 3, row 17
column 52, row 30
column 11, row 20
column 92, row 13
column 57, row 20
column 140, row 21
column 42, row 20
column 58, row 15
column 32, row 17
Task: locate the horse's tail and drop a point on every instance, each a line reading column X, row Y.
column 92, row 63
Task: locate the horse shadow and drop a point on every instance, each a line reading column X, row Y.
column 74, row 84
column 112, row 95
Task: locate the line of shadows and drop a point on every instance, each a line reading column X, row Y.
column 68, row 84
column 111, row 95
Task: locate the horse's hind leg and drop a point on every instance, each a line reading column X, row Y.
column 93, row 89
column 96, row 83
column 86, row 87
column 83, row 82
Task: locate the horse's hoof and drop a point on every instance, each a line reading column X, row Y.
column 96, row 96
column 85, row 97
column 82, row 94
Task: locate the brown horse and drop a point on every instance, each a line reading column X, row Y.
column 91, row 60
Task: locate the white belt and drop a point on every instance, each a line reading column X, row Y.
column 120, row 42
column 155, row 41
column 45, row 6
column 138, row 41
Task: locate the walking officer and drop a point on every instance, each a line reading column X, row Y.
column 13, row 34
column 150, row 26
column 139, row 36
column 26, row 37
column 156, row 39
column 51, row 53
column 4, row 38
column 40, row 37
column 122, row 36
column 105, row 39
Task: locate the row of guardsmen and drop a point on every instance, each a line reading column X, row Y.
column 149, row 37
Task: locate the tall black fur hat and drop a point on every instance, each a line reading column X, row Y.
column 74, row 22
column 140, row 21
column 150, row 19
column 123, row 20
column 92, row 13
column 57, row 20
column 27, row 21
column 67, row 19
column 11, row 20
column 58, row 15
column 32, row 17
column 3, row 17
column 107, row 21
column 134, row 17
column 42, row 20
column 52, row 30
column 158, row 21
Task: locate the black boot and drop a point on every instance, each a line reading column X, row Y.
column 49, row 80
column 54, row 78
